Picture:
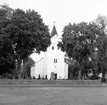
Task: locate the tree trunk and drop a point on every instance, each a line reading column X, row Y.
column 79, row 72
column 18, row 67
column 25, row 60
column 79, row 75
column 103, row 74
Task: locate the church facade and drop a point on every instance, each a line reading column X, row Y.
column 52, row 64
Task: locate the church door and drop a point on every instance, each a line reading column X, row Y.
column 55, row 76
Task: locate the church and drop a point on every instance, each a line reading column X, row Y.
column 51, row 64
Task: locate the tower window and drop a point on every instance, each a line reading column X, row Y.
column 52, row 47
column 55, row 60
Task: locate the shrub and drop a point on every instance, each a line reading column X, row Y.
column 39, row 76
column 46, row 77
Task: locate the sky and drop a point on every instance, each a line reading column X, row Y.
column 62, row 12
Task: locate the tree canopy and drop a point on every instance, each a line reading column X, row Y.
column 21, row 33
column 79, row 42
column 86, row 43
column 101, row 21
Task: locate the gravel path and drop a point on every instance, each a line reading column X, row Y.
column 53, row 96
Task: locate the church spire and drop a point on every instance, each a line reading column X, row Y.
column 54, row 31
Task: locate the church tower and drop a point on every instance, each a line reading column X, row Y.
column 55, row 57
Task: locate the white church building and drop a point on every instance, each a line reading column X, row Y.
column 50, row 63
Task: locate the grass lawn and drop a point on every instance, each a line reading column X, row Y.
column 53, row 96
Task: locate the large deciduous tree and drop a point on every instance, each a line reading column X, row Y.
column 79, row 42
column 28, row 33
column 23, row 32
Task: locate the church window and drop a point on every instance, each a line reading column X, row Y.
column 52, row 47
column 55, row 60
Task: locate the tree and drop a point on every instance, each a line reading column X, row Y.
column 7, row 61
column 21, row 33
column 78, row 40
column 28, row 33
column 101, row 21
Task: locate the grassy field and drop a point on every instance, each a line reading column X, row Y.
column 47, row 82
column 53, row 96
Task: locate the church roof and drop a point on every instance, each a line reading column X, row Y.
column 54, row 31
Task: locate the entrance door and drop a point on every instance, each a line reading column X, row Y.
column 55, row 76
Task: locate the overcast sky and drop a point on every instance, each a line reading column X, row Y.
column 62, row 11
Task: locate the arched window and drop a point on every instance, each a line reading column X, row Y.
column 55, row 60
column 52, row 47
